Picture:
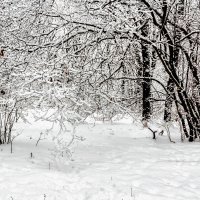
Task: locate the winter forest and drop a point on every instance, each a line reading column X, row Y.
column 99, row 99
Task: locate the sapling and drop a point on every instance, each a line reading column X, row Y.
column 11, row 142
column 40, row 138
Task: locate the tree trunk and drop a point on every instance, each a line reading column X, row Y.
column 146, row 83
column 173, row 59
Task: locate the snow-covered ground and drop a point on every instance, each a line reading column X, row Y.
column 114, row 162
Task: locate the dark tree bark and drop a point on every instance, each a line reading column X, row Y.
column 146, row 71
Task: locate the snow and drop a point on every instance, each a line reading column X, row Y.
column 116, row 161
